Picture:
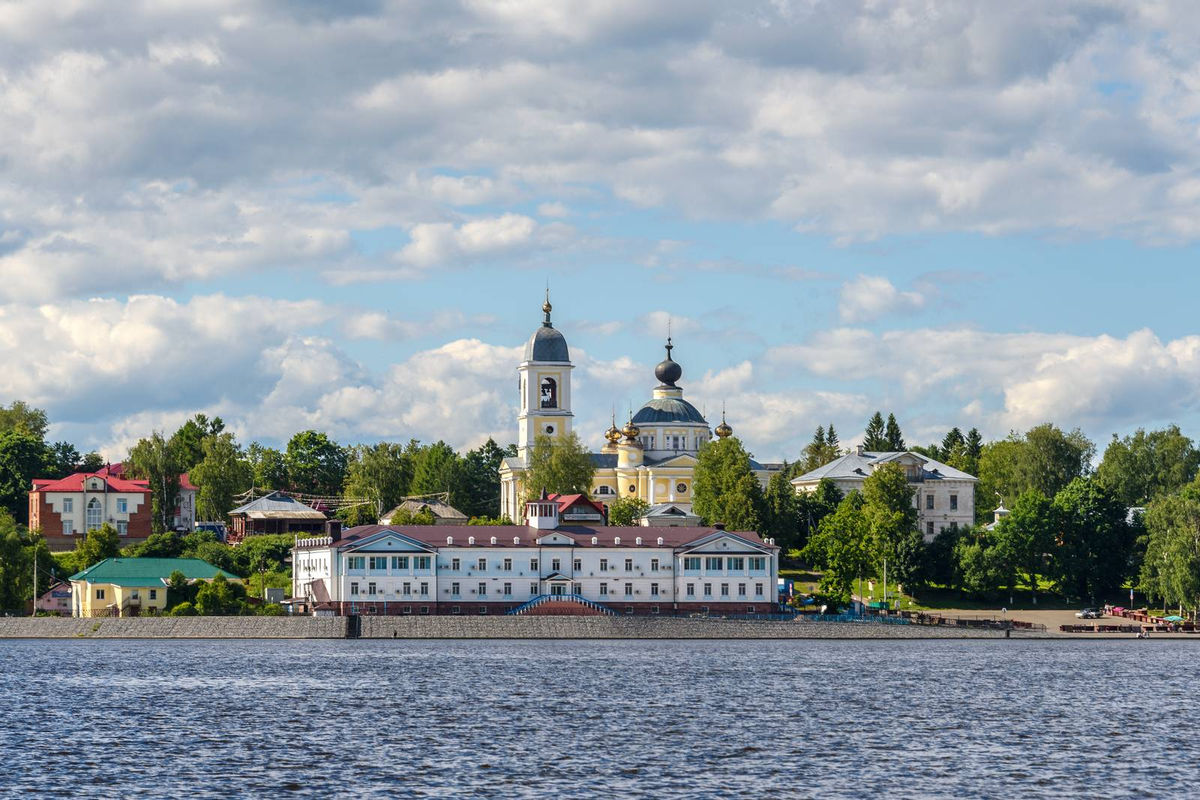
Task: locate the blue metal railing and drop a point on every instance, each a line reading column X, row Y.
column 546, row 598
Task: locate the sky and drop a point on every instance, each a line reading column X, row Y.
column 344, row 216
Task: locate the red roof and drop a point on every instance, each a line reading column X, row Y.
column 185, row 483
column 565, row 501
column 74, row 483
column 435, row 535
column 117, row 470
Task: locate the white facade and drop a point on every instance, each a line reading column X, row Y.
column 87, row 510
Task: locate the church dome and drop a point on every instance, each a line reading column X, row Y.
column 667, row 370
column 547, row 344
column 668, row 409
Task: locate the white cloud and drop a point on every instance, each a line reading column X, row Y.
column 869, row 297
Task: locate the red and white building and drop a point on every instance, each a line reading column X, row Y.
column 66, row 509
column 546, row 566
column 185, row 504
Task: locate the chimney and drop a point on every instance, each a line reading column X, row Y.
column 858, row 449
column 333, row 529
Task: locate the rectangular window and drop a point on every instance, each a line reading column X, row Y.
column 399, row 562
column 378, row 563
column 577, row 565
column 757, row 563
column 455, row 564
column 154, row 594
column 483, row 609
column 736, row 563
column 691, row 590
column 424, row 589
column 68, row 527
column 929, row 502
column 454, row 589
column 354, row 588
column 758, row 589
column 604, row 565
column 356, row 562
column 424, row 609
column 421, row 562
column 555, row 565
column 508, row 590
column 713, row 563
column 929, row 529
column 135, row 595
column 654, row 565
column 533, row 564
column 482, row 589
column 122, row 505
column 533, row 588
column 455, row 609
column 629, row 590
column 724, row 590
column 741, row 590
column 122, row 528
column 954, row 502
column 508, row 565
column 371, row 588
column 577, row 588
column 99, row 594
column 629, row 565
column 407, row 589
column 482, row 564
column 708, row 590
column 604, row 590
column 654, row 590
column 691, row 562
column 68, row 505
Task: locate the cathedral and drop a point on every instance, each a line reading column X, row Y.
column 652, row 457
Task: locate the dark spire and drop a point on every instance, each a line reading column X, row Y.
column 667, row 370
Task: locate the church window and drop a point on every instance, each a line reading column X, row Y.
column 549, row 430
column 549, row 393
column 632, row 488
column 681, row 487
column 93, row 514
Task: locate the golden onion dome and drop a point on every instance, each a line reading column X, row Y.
column 723, row 429
column 612, row 434
column 631, row 431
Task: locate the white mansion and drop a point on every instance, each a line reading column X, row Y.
column 543, row 567
column 944, row 496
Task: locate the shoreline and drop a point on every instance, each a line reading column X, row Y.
column 523, row 627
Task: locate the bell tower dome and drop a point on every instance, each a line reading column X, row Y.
column 544, row 385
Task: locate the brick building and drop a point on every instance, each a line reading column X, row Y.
column 66, row 509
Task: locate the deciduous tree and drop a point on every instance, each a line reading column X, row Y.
column 221, row 475
column 156, row 461
column 626, row 511
column 1143, row 466
column 23, row 457
column 316, row 465
column 558, row 465
column 726, row 489
column 1095, row 541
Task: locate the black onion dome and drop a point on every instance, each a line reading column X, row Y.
column 667, row 370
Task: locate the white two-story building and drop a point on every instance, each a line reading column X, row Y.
column 414, row 569
column 943, row 495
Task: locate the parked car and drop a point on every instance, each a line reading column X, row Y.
column 1089, row 613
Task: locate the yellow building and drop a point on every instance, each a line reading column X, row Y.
column 128, row 587
column 652, row 458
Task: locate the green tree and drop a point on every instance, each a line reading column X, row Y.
column 910, row 568
column 437, row 468
column 781, row 512
column 895, row 439
column 188, row 441
column 23, row 457
column 974, row 449
column 20, row 417
column 1044, row 458
column 725, row 488
column 167, row 544
column 382, row 474
column 561, row 466
column 99, row 544
column 316, row 465
column 840, row 548
column 888, row 510
column 626, row 511
column 405, row 516
column 814, row 506
column 823, row 448
column 63, row 460
column 1170, row 570
column 269, row 467
column 480, row 490
column 221, row 475
column 1027, row 534
column 1145, row 465
column 221, row 597
column 1095, row 541
column 156, row 461
column 941, row 561
column 18, row 547
column 876, row 437
column 982, row 564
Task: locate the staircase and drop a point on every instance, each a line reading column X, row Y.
column 561, row 605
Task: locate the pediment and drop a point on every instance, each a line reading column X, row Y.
column 389, row 542
column 555, row 539
column 721, row 543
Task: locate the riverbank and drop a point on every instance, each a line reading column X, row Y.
column 523, row 627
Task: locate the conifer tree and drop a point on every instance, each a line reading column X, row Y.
column 875, row 439
column 895, row 439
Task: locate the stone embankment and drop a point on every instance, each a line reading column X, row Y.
column 469, row 628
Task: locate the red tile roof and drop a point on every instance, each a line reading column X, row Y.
column 435, row 535
column 565, row 501
column 74, row 483
column 117, row 470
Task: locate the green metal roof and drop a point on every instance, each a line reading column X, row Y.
column 147, row 571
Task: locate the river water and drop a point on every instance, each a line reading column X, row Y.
column 996, row 718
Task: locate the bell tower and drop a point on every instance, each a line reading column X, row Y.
column 544, row 386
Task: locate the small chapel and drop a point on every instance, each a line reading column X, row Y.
column 653, row 457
